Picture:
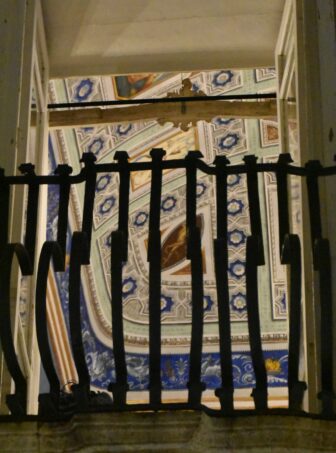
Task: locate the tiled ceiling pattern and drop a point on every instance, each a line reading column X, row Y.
column 223, row 136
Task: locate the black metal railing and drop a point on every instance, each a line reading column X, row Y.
column 56, row 404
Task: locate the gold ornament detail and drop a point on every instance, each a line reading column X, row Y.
column 185, row 91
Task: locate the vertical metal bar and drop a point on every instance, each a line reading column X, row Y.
column 290, row 253
column 32, row 207
column 62, row 227
column 322, row 264
column 80, row 254
column 78, row 257
column 225, row 392
column 120, row 387
column 259, row 393
column 4, row 211
column 191, row 170
column 282, row 188
column 154, row 259
column 124, row 187
column 254, row 258
column 313, row 167
column 296, row 388
column 254, row 205
column 194, row 253
column 119, row 252
column 89, row 196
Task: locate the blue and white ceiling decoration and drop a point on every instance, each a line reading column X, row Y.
column 223, row 136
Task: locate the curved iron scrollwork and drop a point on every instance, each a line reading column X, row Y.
column 17, row 402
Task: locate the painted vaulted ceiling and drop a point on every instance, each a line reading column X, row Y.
column 223, row 136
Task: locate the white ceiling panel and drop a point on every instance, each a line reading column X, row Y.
column 96, row 37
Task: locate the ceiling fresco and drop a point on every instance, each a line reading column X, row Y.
column 223, row 136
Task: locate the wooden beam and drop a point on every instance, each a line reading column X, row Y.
column 180, row 113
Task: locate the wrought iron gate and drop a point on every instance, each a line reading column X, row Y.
column 53, row 252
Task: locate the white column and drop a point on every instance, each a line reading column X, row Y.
column 40, row 74
column 326, row 27
column 12, row 28
column 24, row 60
column 316, row 81
column 12, row 24
column 306, row 64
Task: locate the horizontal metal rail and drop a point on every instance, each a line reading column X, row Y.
column 170, row 100
column 168, row 164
